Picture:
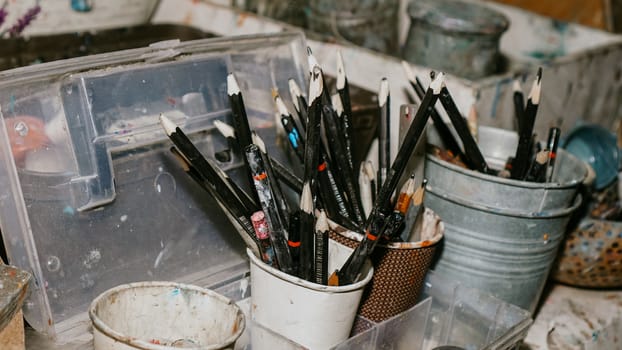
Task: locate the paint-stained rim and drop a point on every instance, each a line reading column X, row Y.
column 307, row 284
column 99, row 324
column 546, row 214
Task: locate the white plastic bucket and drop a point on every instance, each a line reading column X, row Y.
column 310, row 314
column 164, row 316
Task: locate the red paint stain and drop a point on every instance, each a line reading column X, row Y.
column 171, row 101
column 155, row 341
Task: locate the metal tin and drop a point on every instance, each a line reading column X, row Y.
column 496, row 192
column 454, row 36
column 506, row 253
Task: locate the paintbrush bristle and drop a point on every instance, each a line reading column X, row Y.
column 225, row 129
column 383, row 93
column 232, row 85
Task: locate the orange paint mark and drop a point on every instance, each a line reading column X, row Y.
column 260, row 177
column 426, row 243
column 371, row 237
column 155, row 341
column 26, row 134
column 293, row 244
column 322, row 166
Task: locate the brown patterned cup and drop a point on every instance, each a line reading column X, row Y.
column 399, row 271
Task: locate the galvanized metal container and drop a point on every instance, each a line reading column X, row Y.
column 501, row 235
column 506, row 253
column 496, row 192
column 454, row 36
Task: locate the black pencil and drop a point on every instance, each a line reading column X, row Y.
column 443, row 130
column 307, row 228
column 321, row 249
column 300, row 103
column 332, row 199
column 343, row 91
column 373, row 184
column 344, row 123
column 552, row 144
column 240, row 121
column 414, row 219
column 377, row 220
column 277, row 192
column 522, row 158
column 312, row 144
column 384, row 131
column 293, row 134
column 201, row 171
column 244, row 198
column 269, row 207
column 471, row 150
column 343, row 168
column 293, row 240
column 312, row 64
column 519, row 104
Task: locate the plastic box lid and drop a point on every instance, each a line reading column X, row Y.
column 90, row 195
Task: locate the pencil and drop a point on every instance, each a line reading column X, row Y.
column 321, row 249
column 312, row 64
column 312, row 144
column 240, row 121
column 197, row 167
column 344, row 122
column 521, row 159
column 306, row 234
column 377, row 220
column 269, row 207
column 552, row 144
column 248, row 202
column 262, row 231
column 274, row 184
column 396, row 219
column 293, row 240
column 300, row 103
column 519, row 104
column 472, row 122
column 293, row 134
column 415, row 215
column 471, row 150
column 443, row 130
column 343, row 91
column 371, row 174
column 343, row 168
column 332, row 199
column 384, row 131
column 365, row 191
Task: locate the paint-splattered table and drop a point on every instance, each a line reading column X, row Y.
column 573, row 318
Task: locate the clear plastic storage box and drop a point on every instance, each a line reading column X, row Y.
column 90, row 195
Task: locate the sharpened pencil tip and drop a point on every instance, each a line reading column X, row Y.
column 311, row 60
column 341, row 72
column 316, row 87
column 280, row 105
column 383, row 93
column 257, row 140
column 333, row 280
column 306, row 199
column 438, row 83
column 536, row 90
column 232, row 85
column 337, row 105
column 516, row 86
column 225, row 129
column 410, row 75
column 322, row 222
column 167, row 124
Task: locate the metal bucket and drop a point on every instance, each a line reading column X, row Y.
column 496, row 192
column 503, row 252
column 464, row 35
column 502, row 235
column 371, row 24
